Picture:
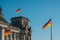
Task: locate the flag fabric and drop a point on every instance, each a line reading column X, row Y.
column 18, row 10
column 7, row 32
column 48, row 24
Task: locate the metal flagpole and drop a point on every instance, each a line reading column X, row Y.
column 51, row 29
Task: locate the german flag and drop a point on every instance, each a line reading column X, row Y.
column 48, row 24
column 18, row 10
column 7, row 32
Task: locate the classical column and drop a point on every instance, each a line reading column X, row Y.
column 29, row 37
column 17, row 36
column 3, row 30
column 24, row 37
column 14, row 36
column 11, row 38
column 7, row 37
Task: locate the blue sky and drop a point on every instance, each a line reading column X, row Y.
column 38, row 12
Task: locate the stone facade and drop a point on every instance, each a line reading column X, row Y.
column 19, row 28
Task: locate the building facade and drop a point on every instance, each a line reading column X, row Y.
column 19, row 28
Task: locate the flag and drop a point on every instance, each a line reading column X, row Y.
column 48, row 24
column 18, row 10
column 7, row 32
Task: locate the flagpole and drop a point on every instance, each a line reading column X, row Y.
column 51, row 29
